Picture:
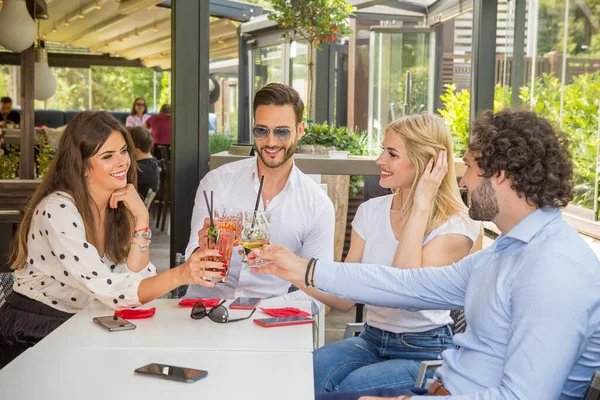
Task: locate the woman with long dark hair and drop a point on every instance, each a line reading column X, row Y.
column 84, row 236
column 139, row 113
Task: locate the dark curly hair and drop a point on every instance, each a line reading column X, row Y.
column 532, row 153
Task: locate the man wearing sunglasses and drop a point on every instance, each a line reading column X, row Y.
column 302, row 216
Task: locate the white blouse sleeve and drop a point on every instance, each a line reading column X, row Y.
column 83, row 266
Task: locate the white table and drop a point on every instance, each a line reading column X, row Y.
column 172, row 328
column 71, row 373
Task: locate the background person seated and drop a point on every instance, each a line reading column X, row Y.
column 147, row 166
column 7, row 114
column 161, row 128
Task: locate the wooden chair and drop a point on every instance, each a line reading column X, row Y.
column 149, row 198
column 163, row 195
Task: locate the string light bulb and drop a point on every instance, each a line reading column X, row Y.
column 54, row 29
column 98, row 5
column 155, row 27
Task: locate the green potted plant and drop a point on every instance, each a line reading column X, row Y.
column 316, row 21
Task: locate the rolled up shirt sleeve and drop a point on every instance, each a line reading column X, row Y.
column 84, row 269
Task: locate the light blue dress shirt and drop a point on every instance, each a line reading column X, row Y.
column 532, row 304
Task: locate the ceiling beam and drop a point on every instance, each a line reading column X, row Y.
column 360, row 4
column 444, row 10
column 400, row 5
column 142, row 44
column 74, row 60
column 127, row 34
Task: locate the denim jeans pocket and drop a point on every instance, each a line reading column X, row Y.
column 424, row 341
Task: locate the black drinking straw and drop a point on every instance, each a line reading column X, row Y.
column 209, row 206
column 262, row 180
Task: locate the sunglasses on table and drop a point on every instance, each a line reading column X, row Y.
column 261, row 132
column 218, row 313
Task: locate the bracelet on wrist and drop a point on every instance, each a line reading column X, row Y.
column 145, row 233
column 312, row 274
column 308, row 269
column 143, row 246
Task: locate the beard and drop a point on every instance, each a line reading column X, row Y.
column 287, row 154
column 484, row 205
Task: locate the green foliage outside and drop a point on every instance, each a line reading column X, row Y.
column 582, row 39
column 44, row 156
column 580, row 121
column 342, row 138
column 218, row 143
column 113, row 88
column 9, row 164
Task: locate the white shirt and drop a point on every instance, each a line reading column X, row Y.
column 372, row 223
column 302, row 219
column 64, row 270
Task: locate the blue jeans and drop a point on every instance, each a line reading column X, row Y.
column 377, row 359
column 374, row 392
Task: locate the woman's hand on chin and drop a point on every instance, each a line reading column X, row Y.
column 284, row 263
column 131, row 199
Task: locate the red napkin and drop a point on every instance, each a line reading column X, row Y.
column 207, row 302
column 285, row 312
column 136, row 314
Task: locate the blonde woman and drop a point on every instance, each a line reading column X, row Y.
column 424, row 223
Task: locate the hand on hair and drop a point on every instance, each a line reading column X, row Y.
column 430, row 181
column 131, row 199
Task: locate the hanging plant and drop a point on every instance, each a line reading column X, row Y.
column 317, row 22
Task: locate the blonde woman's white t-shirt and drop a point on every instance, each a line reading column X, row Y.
column 372, row 223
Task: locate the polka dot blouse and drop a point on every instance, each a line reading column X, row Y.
column 65, row 271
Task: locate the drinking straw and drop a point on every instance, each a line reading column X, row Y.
column 262, row 180
column 209, row 206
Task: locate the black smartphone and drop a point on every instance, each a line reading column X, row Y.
column 179, row 374
column 113, row 323
column 283, row 321
column 245, row 303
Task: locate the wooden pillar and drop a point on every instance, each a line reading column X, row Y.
column 27, row 162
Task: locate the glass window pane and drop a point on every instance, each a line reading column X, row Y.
column 267, row 66
column 401, row 79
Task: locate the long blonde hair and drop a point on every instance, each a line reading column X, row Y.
column 424, row 135
column 84, row 136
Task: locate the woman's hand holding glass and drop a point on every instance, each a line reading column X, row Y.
column 430, row 181
column 282, row 262
column 197, row 269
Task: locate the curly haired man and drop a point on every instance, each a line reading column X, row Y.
column 531, row 300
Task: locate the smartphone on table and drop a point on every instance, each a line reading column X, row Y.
column 172, row 373
column 283, row 321
column 113, row 323
column 245, row 303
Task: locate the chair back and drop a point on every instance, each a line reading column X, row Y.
column 6, row 286
column 149, row 198
column 593, row 392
